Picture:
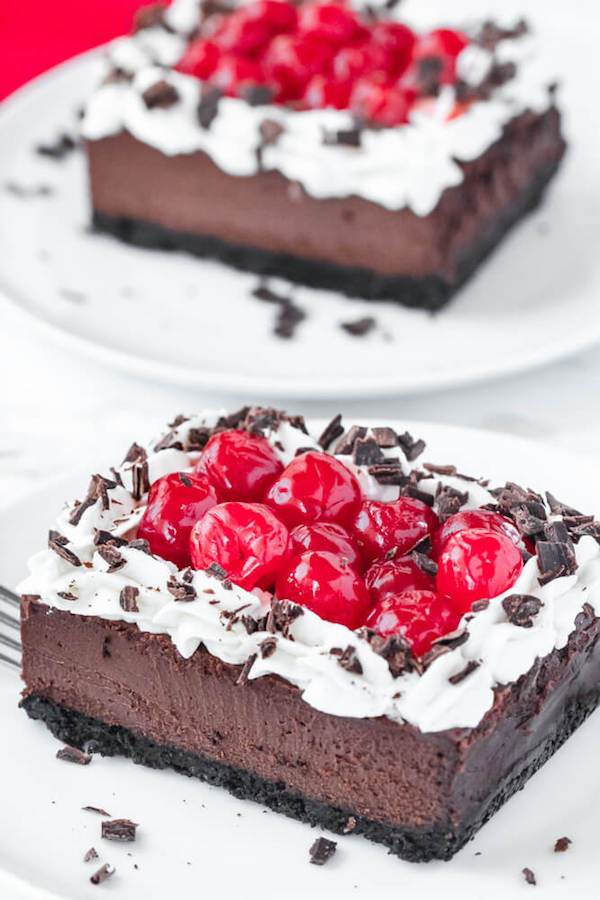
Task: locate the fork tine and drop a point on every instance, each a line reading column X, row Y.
column 10, row 642
column 7, row 619
column 9, row 661
column 9, row 596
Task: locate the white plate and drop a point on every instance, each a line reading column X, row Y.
column 181, row 319
column 195, row 840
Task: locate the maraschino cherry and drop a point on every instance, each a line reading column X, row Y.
column 327, row 585
column 246, row 539
column 175, row 503
column 397, row 525
column 395, row 576
column 475, row 518
column 328, row 537
column 477, row 564
column 419, row 616
column 239, row 465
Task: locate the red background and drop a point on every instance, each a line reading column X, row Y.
column 38, row 34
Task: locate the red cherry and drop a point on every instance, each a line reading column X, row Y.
column 322, row 91
column 240, row 34
column 394, row 576
column 475, row 518
column 239, row 465
column 375, row 101
column 399, row 525
column 327, row 537
column 315, row 486
column 200, row 59
column 234, row 72
column 419, row 616
column 277, row 14
column 476, row 565
column 445, row 45
column 397, row 41
column 326, row 585
column 290, row 60
column 175, row 503
column 330, row 20
column 246, row 539
column 349, row 63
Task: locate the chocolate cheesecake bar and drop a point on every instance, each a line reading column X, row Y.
column 323, row 624
column 334, row 146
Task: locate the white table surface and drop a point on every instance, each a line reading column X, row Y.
column 58, row 411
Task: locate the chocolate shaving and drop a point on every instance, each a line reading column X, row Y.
column 425, row 563
column 67, row 595
column 558, row 508
column 448, row 501
column 321, row 851
column 479, row 605
column 216, row 571
column 91, row 854
column 453, row 639
column 460, row 676
column 128, row 598
column 562, row 844
column 348, row 659
column 140, row 544
column 521, row 609
column 331, row 432
column 198, row 438
column 160, row 95
column 149, row 16
column 410, row 447
column 342, row 137
column 440, row 470
column 208, row 107
column 258, row 95
column 268, row 646
column 59, row 148
column 288, row 319
column 529, row 876
column 58, row 542
column 111, row 555
column 394, row 649
column 554, row 560
column 366, row 452
column 243, row 676
column 388, row 471
column 102, row 874
column 281, row 616
column 385, row 437
column 74, row 755
column 359, row 327
column 530, row 518
column 119, row 830
column 345, row 445
column 96, row 809
column 557, row 532
column 250, row 624
column 181, row 591
column 168, row 442
column 107, row 537
column 270, row 131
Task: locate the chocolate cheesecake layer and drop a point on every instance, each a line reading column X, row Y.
column 267, row 224
column 421, row 794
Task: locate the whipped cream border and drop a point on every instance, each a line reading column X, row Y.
column 429, row 701
column 410, row 166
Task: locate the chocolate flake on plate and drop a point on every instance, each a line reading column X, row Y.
column 181, row 591
column 119, row 830
column 554, row 560
column 359, row 327
column 67, row 595
column 348, row 659
column 74, row 755
column 521, row 609
column 321, row 851
column 331, row 432
column 460, row 676
column 160, row 95
column 102, row 874
column 529, row 876
column 91, row 854
column 562, row 844
column 128, row 598
column 245, row 671
column 58, row 542
column 96, row 809
column 59, row 148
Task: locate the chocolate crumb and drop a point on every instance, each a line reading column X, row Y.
column 268, row 646
column 257, row 95
column 208, row 107
column 140, row 544
column 562, row 844
column 460, row 676
column 345, row 445
column 395, row 650
column 554, row 560
column 385, row 437
column 348, row 659
column 96, row 809
column 453, row 639
column 119, row 830
column 427, row 565
column 321, row 851
column 243, row 676
column 343, row 137
column 91, row 854
column 350, row 825
column 479, row 605
column 149, row 16
column 366, row 452
column 270, row 131
column 410, row 447
column 521, row 609
column 128, row 598
column 360, row 327
column 111, row 555
column 289, row 317
column 529, row 876
column 67, row 595
column 331, row 432
column 181, row 591
column 57, row 149
column 58, row 542
column 160, row 95
column 102, row 874
column 74, row 755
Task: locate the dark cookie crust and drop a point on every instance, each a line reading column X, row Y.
column 410, row 844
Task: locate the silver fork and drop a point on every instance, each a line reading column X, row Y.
column 9, row 628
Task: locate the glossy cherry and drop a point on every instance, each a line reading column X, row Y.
column 372, row 99
column 277, row 14
column 394, row 576
column 239, row 465
column 419, row 616
column 291, row 60
column 476, row 564
column 326, row 585
column 400, row 524
column 397, row 41
column 322, row 92
column 315, row 486
column 240, row 33
column 246, row 539
column 200, row 59
column 350, row 63
column 333, row 21
column 475, row 518
column 233, row 73
column 328, row 537
column 175, row 503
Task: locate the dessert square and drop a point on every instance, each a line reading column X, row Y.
column 327, row 624
column 329, row 144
